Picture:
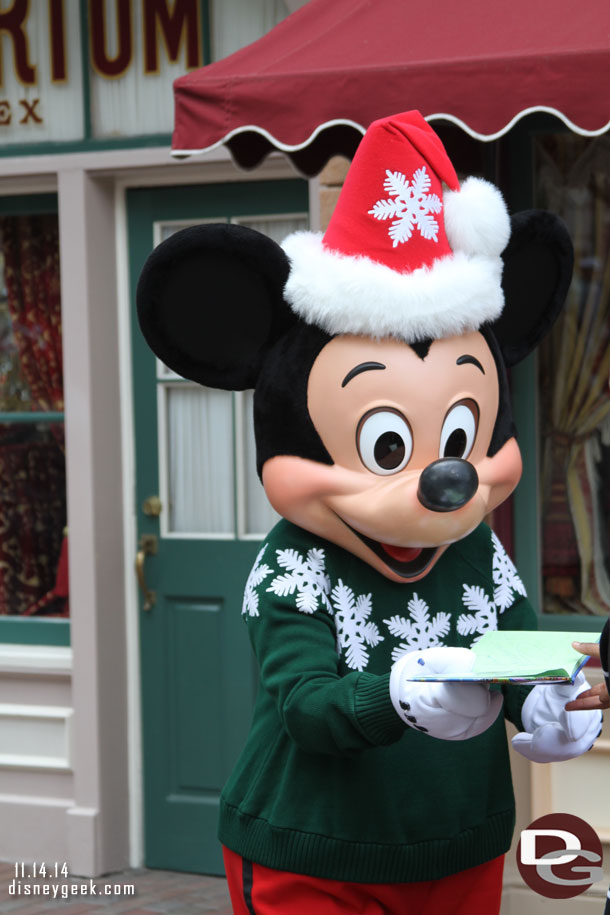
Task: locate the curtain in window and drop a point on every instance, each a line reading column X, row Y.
column 258, row 515
column 32, row 516
column 576, row 366
column 31, row 256
column 201, row 468
column 32, row 475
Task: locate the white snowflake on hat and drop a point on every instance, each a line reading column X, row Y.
column 436, row 273
column 412, row 205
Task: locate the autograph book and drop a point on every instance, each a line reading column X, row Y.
column 518, row 656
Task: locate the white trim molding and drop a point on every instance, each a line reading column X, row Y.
column 35, row 737
column 35, row 660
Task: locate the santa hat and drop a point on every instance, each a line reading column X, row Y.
column 407, row 253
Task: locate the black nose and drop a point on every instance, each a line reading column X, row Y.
column 447, row 484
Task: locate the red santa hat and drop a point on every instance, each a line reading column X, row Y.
column 408, row 252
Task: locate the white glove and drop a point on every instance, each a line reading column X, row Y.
column 551, row 733
column 448, row 710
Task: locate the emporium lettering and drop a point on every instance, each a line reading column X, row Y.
column 172, row 24
column 30, row 112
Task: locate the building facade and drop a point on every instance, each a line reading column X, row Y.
column 130, row 508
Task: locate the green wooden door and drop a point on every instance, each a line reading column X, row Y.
column 194, row 449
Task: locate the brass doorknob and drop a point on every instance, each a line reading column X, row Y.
column 152, row 506
column 149, row 546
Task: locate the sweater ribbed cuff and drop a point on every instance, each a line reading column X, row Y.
column 374, row 710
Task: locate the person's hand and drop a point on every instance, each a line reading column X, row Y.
column 448, row 710
column 551, row 733
column 597, row 696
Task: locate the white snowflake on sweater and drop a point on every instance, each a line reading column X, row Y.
column 354, row 629
column 419, row 632
column 412, row 206
column 307, row 576
column 484, row 616
column 256, row 577
column 506, row 578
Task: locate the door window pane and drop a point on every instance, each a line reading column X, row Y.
column 210, row 434
column 259, row 517
column 275, row 227
column 200, row 460
column 573, row 180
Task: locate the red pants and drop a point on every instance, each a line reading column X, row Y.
column 258, row 890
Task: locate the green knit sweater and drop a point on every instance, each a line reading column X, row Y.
column 331, row 783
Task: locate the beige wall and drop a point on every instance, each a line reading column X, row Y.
column 36, row 758
column 97, row 823
column 76, row 810
column 330, row 181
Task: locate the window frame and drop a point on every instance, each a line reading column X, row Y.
column 527, row 506
column 18, row 629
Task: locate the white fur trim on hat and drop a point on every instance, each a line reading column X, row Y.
column 345, row 294
column 476, row 219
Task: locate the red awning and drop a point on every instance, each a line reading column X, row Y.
column 312, row 85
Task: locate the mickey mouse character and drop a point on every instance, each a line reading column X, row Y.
column 378, row 355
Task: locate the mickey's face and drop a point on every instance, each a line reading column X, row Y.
column 390, row 451
column 409, row 438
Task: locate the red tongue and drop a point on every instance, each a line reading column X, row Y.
column 402, row 553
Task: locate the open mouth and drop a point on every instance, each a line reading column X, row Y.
column 406, row 561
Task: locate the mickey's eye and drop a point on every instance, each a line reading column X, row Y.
column 384, row 441
column 459, row 430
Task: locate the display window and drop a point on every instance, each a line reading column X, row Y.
column 33, row 535
column 572, row 179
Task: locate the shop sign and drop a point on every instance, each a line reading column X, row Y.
column 133, row 50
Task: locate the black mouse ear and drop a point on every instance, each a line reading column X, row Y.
column 538, row 262
column 210, row 303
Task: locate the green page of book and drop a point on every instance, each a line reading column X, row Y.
column 524, row 657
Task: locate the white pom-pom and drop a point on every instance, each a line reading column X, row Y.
column 476, row 218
